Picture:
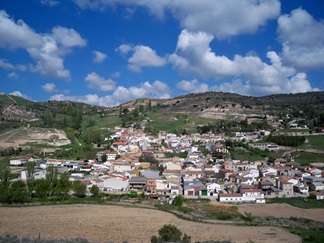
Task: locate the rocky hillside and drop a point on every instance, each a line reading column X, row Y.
column 209, row 104
column 229, row 105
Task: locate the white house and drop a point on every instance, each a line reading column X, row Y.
column 111, row 155
column 54, row 162
column 251, row 195
column 122, row 167
column 37, row 175
column 114, row 183
column 17, row 162
column 230, row 197
column 319, row 195
column 213, row 189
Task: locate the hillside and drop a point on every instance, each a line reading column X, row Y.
column 208, row 104
column 221, row 105
column 177, row 114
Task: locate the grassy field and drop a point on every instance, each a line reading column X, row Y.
column 315, row 142
column 177, row 122
column 299, row 202
column 4, row 163
column 109, row 121
column 243, row 155
column 305, row 158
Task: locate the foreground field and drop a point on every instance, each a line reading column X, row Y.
column 283, row 210
column 99, row 223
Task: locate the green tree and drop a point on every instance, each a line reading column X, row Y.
column 94, row 190
column 30, row 170
column 149, row 106
column 92, row 135
column 51, row 178
column 79, row 188
column 41, row 188
column 63, row 185
column 4, row 185
column 70, row 134
column 178, row 200
column 170, row 233
column 18, row 192
column 104, row 157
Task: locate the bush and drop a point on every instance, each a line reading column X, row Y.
column 178, row 200
column 170, row 233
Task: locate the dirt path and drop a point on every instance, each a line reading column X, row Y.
column 100, row 223
column 283, row 210
column 6, row 136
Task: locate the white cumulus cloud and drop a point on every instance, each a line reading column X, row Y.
column 302, row 38
column 99, row 83
column 49, row 87
column 225, row 18
column 157, row 89
column 192, row 86
column 219, row 17
column 98, row 56
column 48, row 50
column 67, row 37
column 19, row 94
column 193, row 56
column 142, row 56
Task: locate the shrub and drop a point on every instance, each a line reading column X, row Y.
column 170, row 233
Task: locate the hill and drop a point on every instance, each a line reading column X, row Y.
column 79, row 122
column 221, row 105
column 15, row 109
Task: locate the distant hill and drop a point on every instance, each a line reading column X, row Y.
column 221, row 104
column 15, row 111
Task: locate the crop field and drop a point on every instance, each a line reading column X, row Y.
column 103, row 223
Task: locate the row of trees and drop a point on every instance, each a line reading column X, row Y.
column 233, row 126
column 53, row 186
column 10, row 151
column 285, row 140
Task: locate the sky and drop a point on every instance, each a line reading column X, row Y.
column 108, row 52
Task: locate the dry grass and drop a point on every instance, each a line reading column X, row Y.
column 99, row 223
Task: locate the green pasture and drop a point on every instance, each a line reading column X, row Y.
column 306, row 158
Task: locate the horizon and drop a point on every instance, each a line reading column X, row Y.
column 107, row 53
column 175, row 97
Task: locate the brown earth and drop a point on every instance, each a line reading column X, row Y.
column 282, row 210
column 99, row 223
column 19, row 137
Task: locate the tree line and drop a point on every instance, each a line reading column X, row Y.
column 285, row 140
column 53, row 186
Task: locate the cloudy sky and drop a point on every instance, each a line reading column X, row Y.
column 107, row 52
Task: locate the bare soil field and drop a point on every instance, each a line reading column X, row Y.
column 19, row 137
column 283, row 210
column 100, row 223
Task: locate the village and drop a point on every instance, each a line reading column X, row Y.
column 139, row 163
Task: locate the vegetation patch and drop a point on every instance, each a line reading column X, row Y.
column 306, row 158
column 315, row 142
column 308, row 235
column 298, row 202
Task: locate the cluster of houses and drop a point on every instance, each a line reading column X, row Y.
column 197, row 175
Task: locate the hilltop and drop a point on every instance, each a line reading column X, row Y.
column 219, row 105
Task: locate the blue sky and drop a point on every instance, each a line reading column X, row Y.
column 107, row 52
